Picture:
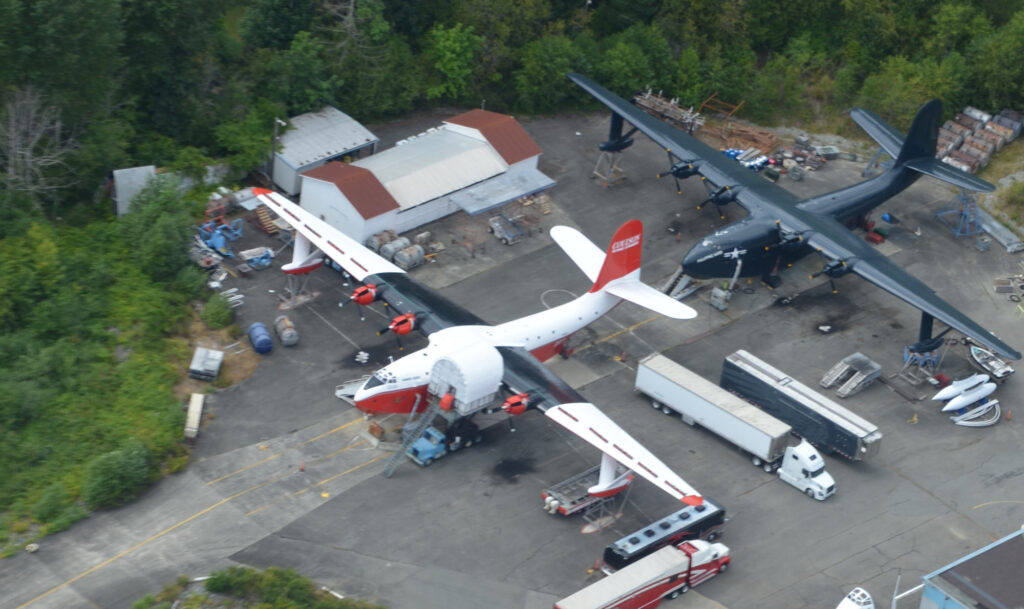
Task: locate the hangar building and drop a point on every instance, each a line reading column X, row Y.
column 990, row 578
column 476, row 161
column 314, row 139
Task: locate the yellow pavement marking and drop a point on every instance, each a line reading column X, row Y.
column 202, row 512
column 618, row 333
column 322, row 482
column 981, row 505
column 276, row 455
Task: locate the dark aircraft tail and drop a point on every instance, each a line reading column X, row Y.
column 916, row 151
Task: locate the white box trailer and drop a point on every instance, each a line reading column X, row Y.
column 194, row 417
column 673, row 388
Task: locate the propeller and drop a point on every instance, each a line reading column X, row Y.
column 785, row 236
column 401, row 325
column 719, row 196
column 832, row 268
column 515, row 405
column 362, row 296
column 681, row 170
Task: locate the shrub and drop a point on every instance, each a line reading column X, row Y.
column 236, row 581
column 217, row 313
column 51, row 504
column 117, row 477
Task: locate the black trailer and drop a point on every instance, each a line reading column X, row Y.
column 813, row 416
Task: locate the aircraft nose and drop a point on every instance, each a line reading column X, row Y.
column 696, row 261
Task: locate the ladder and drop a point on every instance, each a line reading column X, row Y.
column 836, row 374
column 265, row 220
column 421, row 425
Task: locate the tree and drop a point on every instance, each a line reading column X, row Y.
column 274, row 23
column 452, row 52
column 541, row 84
column 34, row 144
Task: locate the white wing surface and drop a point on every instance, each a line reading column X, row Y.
column 588, row 422
column 355, row 258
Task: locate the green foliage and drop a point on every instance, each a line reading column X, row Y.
column 247, row 140
column 217, row 313
column 453, row 51
column 539, row 82
column 117, row 477
column 277, row 588
column 274, row 23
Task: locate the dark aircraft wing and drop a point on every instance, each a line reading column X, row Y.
column 719, row 169
column 838, row 243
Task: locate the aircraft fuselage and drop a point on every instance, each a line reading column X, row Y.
column 762, row 245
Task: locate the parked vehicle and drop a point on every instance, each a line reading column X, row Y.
column 430, row 446
column 703, row 521
column 667, row 573
column 504, row 229
column 819, row 420
column 675, row 389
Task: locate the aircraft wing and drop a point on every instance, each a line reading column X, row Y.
column 355, row 258
column 720, row 170
column 589, row 423
column 550, row 394
column 867, row 262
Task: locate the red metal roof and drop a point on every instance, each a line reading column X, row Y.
column 502, row 131
column 359, row 186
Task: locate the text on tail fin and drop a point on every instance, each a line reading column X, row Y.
column 623, row 256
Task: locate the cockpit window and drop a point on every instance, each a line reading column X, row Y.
column 373, row 381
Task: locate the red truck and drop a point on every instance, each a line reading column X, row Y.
column 667, row 573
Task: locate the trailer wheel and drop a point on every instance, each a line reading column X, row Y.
column 656, row 404
column 756, row 461
column 666, row 410
column 767, row 467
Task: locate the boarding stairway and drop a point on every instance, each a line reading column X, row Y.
column 680, row 285
column 408, row 437
column 852, row 374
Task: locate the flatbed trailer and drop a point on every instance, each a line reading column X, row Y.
column 570, row 496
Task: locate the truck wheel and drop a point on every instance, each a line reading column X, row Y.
column 504, row 240
column 809, row 493
column 722, row 567
column 714, row 535
column 427, row 461
column 490, row 229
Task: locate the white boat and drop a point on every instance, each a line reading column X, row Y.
column 858, row 598
column 967, row 398
column 987, row 361
column 957, row 387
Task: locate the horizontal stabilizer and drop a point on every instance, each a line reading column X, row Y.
column 581, row 250
column 644, row 295
column 882, row 132
column 930, row 166
column 588, row 422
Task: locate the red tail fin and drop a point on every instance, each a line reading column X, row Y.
column 623, row 256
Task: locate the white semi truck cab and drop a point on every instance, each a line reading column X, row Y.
column 804, row 468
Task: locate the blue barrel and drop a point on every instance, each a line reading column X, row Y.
column 260, row 338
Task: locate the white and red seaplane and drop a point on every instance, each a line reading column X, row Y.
column 468, row 362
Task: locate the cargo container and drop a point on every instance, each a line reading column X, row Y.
column 818, row 419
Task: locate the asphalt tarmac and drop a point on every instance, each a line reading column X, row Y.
column 284, row 476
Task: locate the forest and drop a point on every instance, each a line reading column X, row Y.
column 92, row 307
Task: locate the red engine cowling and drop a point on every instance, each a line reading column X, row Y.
column 403, row 324
column 516, row 404
column 364, row 294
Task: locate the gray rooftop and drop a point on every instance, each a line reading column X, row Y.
column 316, row 136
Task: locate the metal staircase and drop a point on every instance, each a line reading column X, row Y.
column 852, row 374
column 408, row 437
